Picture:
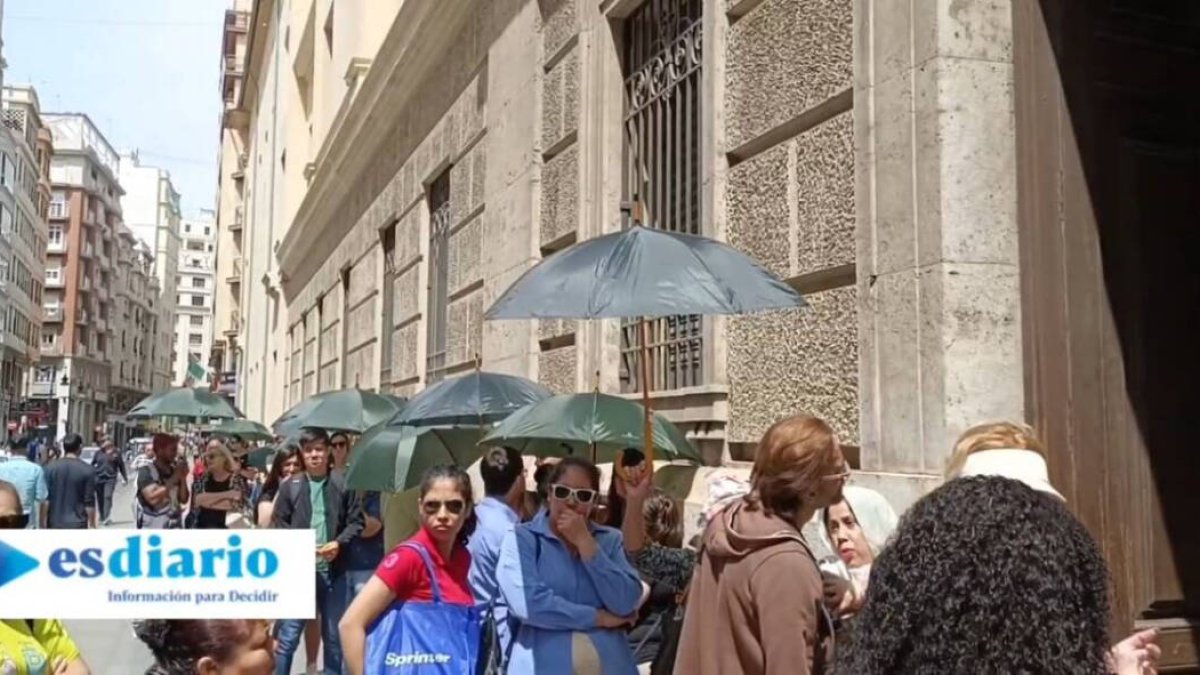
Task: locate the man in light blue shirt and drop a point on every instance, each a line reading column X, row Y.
column 503, row 472
column 29, row 480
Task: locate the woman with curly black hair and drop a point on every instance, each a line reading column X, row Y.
column 984, row 575
column 212, row 647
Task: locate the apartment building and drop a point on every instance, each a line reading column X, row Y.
column 195, row 294
column 231, row 179
column 137, row 296
column 25, row 151
column 81, row 271
column 152, row 212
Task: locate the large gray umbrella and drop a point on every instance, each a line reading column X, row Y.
column 352, row 410
column 643, row 272
column 477, row 398
column 185, row 403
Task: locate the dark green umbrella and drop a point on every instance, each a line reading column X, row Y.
column 473, row 399
column 247, row 430
column 392, row 458
column 583, row 424
column 352, row 410
column 184, row 402
column 261, row 458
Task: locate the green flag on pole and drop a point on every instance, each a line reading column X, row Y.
column 196, row 372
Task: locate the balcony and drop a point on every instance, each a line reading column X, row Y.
column 85, row 282
column 52, row 349
column 235, row 324
column 59, row 211
column 55, row 279
column 59, row 246
column 88, row 251
column 236, row 225
column 233, row 65
column 238, row 22
column 52, row 313
column 102, row 293
column 81, row 316
column 235, row 273
column 100, row 324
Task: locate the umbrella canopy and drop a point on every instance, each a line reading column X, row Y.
column 472, row 399
column 571, row 424
column 247, row 430
column 261, row 458
column 352, row 410
column 392, row 458
column 184, row 402
column 643, row 272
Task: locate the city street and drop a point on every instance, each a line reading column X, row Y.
column 110, row 647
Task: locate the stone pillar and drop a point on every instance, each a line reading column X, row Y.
column 939, row 295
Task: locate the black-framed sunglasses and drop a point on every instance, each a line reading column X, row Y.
column 432, row 507
column 14, row 522
column 582, row 495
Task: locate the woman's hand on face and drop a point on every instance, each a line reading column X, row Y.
column 574, row 528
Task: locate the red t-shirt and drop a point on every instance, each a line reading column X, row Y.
column 404, row 573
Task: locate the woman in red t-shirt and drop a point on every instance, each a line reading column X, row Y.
column 447, row 520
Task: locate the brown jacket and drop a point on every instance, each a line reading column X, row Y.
column 754, row 606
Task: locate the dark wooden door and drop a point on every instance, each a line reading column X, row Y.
column 1108, row 154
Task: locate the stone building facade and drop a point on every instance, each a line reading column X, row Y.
column 195, row 295
column 407, row 161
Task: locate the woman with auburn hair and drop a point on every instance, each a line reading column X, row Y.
column 755, row 605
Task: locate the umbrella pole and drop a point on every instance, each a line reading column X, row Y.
column 648, row 421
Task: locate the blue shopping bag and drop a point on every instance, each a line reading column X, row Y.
column 424, row 638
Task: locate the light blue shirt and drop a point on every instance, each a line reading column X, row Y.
column 554, row 595
column 30, row 481
column 494, row 520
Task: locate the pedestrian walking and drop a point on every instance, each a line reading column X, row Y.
column 568, row 582
column 364, row 552
column 161, row 486
column 29, row 478
column 313, row 499
column 420, row 594
column 503, row 473
column 755, row 603
column 987, row 575
column 107, row 464
column 71, row 490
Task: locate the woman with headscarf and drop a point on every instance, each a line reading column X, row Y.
column 856, row 527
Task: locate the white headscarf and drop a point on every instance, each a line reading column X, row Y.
column 875, row 516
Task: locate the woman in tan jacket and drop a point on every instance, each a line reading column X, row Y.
column 755, row 604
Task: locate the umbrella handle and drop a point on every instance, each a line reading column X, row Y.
column 648, row 413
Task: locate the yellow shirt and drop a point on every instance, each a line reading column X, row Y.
column 30, row 653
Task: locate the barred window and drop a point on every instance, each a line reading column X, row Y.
column 662, row 59
column 437, row 322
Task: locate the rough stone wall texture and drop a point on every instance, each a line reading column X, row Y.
column 463, row 256
column 560, row 194
column 785, row 57
column 404, row 352
column 406, row 294
column 466, row 183
column 465, row 325
column 360, row 365
column 561, row 23
column 811, row 366
column 560, row 99
column 329, row 377
column 556, row 369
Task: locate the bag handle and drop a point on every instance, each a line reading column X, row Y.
column 429, row 569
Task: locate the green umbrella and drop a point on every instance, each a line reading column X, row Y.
column 184, row 402
column 261, row 458
column 351, row 410
column 592, row 425
column 247, row 430
column 392, row 458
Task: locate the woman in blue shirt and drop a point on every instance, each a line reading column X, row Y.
column 568, row 583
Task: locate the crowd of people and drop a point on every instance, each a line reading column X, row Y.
column 988, row 573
